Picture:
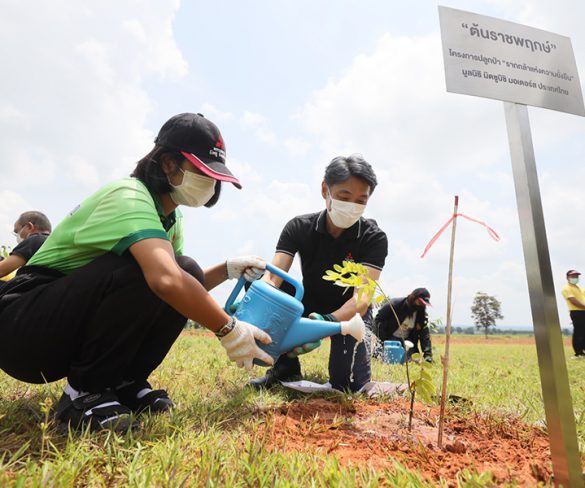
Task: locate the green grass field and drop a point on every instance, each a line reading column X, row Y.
column 211, row 438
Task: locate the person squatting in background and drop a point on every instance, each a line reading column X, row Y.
column 412, row 323
column 31, row 230
column 106, row 296
column 322, row 239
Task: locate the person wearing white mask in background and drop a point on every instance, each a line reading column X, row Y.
column 106, row 296
column 322, row 239
column 574, row 295
column 31, row 230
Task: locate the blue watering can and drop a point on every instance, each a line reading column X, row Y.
column 280, row 316
column 393, row 352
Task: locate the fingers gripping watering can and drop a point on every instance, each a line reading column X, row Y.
column 280, row 316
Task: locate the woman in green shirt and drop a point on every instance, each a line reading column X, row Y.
column 108, row 293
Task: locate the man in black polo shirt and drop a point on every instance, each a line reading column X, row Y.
column 323, row 239
column 31, row 229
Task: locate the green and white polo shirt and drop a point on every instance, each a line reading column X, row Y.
column 112, row 219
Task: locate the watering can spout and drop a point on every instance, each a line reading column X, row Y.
column 354, row 327
column 306, row 330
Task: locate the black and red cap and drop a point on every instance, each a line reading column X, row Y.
column 199, row 140
column 423, row 295
column 573, row 272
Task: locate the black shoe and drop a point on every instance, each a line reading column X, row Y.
column 155, row 401
column 281, row 371
column 99, row 411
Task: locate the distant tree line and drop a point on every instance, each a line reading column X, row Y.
column 472, row 331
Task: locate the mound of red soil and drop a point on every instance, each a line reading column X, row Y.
column 377, row 434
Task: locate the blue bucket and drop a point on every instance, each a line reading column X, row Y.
column 393, row 352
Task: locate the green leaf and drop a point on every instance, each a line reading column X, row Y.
column 428, row 385
column 415, row 356
column 425, row 391
column 426, row 365
column 424, row 395
column 426, row 375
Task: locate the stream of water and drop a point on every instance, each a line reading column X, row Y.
column 372, row 343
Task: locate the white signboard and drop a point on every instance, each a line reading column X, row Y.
column 493, row 58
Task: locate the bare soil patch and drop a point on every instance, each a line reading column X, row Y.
column 376, row 434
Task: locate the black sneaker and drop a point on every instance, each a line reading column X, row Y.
column 99, row 411
column 285, row 369
column 155, row 401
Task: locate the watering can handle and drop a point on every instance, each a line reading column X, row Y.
column 233, row 295
column 299, row 290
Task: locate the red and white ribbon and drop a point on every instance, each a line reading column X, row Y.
column 492, row 233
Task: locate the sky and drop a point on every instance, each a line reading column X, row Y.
column 85, row 87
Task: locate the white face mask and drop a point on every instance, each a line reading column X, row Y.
column 194, row 191
column 345, row 214
column 18, row 236
column 573, row 281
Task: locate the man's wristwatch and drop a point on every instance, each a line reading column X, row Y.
column 226, row 329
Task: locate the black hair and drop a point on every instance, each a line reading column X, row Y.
column 150, row 172
column 38, row 219
column 341, row 168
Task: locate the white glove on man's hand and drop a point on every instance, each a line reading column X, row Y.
column 240, row 345
column 251, row 267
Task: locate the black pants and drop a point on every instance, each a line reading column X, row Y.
column 578, row 319
column 98, row 326
column 340, row 363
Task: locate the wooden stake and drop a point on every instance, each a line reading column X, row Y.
column 445, row 358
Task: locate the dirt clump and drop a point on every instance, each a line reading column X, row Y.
column 376, row 434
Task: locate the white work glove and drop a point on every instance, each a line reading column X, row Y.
column 240, row 344
column 251, row 267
